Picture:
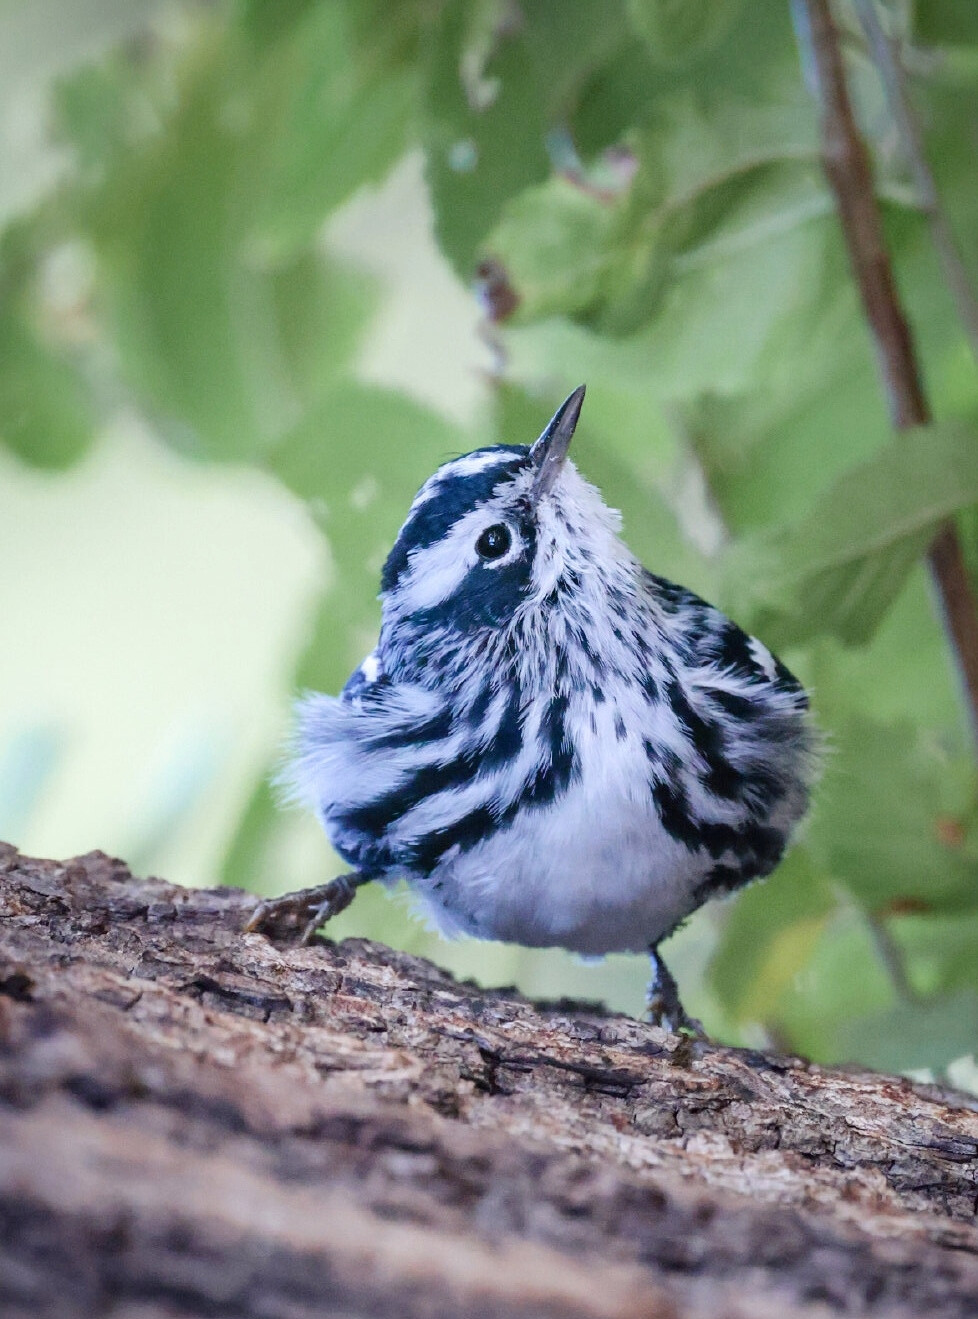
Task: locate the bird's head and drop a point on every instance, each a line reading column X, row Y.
column 499, row 533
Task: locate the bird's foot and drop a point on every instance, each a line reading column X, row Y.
column 663, row 1006
column 297, row 916
column 673, row 1017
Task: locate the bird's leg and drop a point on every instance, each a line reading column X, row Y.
column 662, row 1005
column 299, row 915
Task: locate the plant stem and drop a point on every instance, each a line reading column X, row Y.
column 891, row 71
column 891, row 957
column 845, row 160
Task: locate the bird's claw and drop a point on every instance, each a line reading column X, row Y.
column 297, row 916
column 672, row 1016
column 663, row 1006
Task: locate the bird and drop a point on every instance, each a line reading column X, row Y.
column 552, row 745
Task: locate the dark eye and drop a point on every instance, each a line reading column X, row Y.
column 494, row 542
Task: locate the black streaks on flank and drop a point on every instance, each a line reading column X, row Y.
column 720, row 881
column 765, row 787
column 673, row 807
column 651, row 689
column 369, row 858
column 642, row 648
column 731, row 650
column 594, row 659
column 507, row 741
column 723, row 780
column 705, row 734
column 720, row 776
column 358, row 684
column 621, row 732
column 547, row 783
column 362, row 830
column 540, row 791
column 759, row 852
column 663, row 761
column 479, row 708
column 768, row 847
column 432, row 730
column 553, row 736
column 620, row 605
column 373, row 819
column 671, row 598
column 791, row 684
column 597, row 694
column 464, row 833
column 736, row 706
column 759, row 847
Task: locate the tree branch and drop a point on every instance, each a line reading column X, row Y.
column 847, row 167
column 195, row 1123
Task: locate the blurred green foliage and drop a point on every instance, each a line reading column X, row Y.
column 646, row 173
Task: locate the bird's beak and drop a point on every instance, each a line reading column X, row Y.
column 550, row 450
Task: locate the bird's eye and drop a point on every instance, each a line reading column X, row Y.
column 494, row 542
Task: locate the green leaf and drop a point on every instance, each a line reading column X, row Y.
column 500, row 96
column 189, row 318
column 930, row 1033
column 46, row 411
column 485, row 130
column 358, row 457
column 769, row 936
column 877, row 820
column 227, row 348
column 939, row 949
column 332, row 109
column 248, row 858
column 689, row 147
column 264, row 22
column 98, row 112
column 841, row 568
column 904, row 668
column 319, row 310
column 706, row 187
column 945, row 22
column 556, row 243
column 844, row 974
column 677, row 31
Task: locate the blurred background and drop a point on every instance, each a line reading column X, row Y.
column 265, row 263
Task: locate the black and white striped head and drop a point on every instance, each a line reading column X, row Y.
column 496, row 531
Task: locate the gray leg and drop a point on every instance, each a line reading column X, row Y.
column 299, row 915
column 662, row 1005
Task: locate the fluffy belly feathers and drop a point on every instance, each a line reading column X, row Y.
column 595, row 873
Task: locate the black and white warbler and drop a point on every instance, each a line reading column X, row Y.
column 552, row 745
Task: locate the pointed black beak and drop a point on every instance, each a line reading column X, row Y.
column 550, row 450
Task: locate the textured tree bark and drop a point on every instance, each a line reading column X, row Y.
column 194, row 1122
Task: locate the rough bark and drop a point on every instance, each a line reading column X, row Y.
column 194, row 1122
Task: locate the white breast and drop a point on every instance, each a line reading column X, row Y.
column 594, row 872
